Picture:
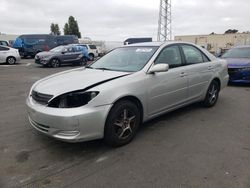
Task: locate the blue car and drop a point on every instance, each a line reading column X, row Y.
column 238, row 59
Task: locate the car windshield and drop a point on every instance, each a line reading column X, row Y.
column 238, row 53
column 57, row 49
column 127, row 59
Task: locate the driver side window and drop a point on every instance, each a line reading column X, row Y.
column 171, row 56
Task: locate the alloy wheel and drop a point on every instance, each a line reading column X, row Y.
column 124, row 124
column 55, row 63
column 11, row 61
column 213, row 94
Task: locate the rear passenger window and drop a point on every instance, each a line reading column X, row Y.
column 93, row 47
column 4, row 43
column 205, row 59
column 171, row 56
column 192, row 54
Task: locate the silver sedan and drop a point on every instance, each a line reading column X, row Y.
column 130, row 85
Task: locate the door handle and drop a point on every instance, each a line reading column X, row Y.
column 183, row 74
column 210, row 67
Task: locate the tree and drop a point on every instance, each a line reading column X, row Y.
column 66, row 29
column 54, row 29
column 71, row 28
column 231, row 31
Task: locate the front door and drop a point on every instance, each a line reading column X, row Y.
column 167, row 89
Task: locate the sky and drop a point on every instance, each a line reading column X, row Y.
column 117, row 20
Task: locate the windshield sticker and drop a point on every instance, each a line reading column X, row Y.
column 144, row 50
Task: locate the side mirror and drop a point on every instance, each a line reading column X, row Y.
column 158, row 68
column 64, row 51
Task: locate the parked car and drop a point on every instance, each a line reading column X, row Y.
column 128, row 86
column 30, row 45
column 9, row 55
column 92, row 49
column 238, row 59
column 68, row 54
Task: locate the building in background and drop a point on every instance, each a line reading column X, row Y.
column 7, row 37
column 217, row 42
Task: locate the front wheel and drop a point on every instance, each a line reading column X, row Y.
column 212, row 94
column 55, row 63
column 122, row 123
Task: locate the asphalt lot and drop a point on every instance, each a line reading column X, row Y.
column 193, row 147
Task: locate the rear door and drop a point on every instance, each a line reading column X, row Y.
column 199, row 69
column 77, row 53
column 3, row 54
column 167, row 89
column 69, row 54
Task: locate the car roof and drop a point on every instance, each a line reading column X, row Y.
column 146, row 44
column 158, row 44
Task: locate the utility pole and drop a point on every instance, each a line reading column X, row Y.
column 164, row 24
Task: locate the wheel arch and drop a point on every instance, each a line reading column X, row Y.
column 135, row 100
column 92, row 54
column 218, row 81
column 10, row 57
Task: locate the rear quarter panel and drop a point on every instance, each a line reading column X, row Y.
column 221, row 71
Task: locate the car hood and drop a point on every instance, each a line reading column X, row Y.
column 74, row 80
column 238, row 62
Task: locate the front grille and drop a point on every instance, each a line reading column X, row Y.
column 41, row 98
column 233, row 71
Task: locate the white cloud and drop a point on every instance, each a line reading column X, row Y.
column 120, row 19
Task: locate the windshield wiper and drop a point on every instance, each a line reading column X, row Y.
column 102, row 68
column 89, row 67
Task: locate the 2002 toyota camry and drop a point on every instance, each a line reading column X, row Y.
column 130, row 85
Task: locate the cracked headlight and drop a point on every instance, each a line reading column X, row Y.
column 73, row 99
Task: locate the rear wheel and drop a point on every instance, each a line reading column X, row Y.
column 91, row 57
column 212, row 94
column 55, row 63
column 11, row 60
column 122, row 123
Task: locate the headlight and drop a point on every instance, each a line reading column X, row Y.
column 245, row 68
column 73, row 99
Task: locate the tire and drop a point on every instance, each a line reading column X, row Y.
column 122, row 123
column 212, row 94
column 55, row 63
column 91, row 57
column 80, row 63
column 11, row 60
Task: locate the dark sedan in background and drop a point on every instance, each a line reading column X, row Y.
column 238, row 59
column 68, row 54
